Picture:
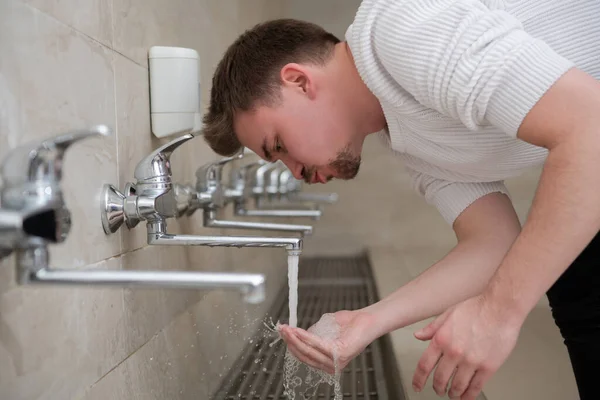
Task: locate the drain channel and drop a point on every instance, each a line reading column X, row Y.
column 324, row 285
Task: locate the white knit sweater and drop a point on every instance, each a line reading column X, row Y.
column 455, row 79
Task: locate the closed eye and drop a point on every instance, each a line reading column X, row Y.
column 278, row 145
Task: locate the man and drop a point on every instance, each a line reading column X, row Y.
column 467, row 93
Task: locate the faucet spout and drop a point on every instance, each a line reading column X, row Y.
column 241, row 210
column 157, row 236
column 329, row 198
column 33, row 269
column 211, row 221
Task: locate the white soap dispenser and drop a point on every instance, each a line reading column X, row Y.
column 174, row 90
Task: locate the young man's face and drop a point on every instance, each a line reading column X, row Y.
column 309, row 130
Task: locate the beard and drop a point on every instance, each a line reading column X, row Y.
column 346, row 166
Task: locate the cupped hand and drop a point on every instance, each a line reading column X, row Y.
column 469, row 342
column 357, row 331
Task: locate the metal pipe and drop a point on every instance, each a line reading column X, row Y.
column 32, row 268
column 262, row 203
column 314, row 197
column 211, row 221
column 157, row 236
column 250, row 285
column 240, row 210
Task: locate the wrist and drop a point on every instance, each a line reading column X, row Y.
column 505, row 305
column 383, row 319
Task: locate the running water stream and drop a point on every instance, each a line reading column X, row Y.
column 326, row 328
column 293, row 288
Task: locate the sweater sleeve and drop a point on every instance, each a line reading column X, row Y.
column 464, row 60
column 452, row 198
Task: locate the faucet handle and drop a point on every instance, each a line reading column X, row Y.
column 287, row 182
column 273, row 186
column 210, row 173
column 42, row 161
column 239, row 176
column 260, row 176
column 158, row 163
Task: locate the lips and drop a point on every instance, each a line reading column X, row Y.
column 320, row 178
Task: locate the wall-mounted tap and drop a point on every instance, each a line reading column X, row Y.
column 254, row 182
column 211, row 195
column 152, row 199
column 34, row 215
column 33, row 210
column 209, row 181
column 240, row 186
column 290, row 189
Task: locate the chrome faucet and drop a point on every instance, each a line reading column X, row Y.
column 34, row 215
column 290, row 189
column 33, row 210
column 209, row 183
column 210, row 195
column 152, row 199
column 254, row 185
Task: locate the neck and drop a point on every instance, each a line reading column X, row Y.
column 363, row 106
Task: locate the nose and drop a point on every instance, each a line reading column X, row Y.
column 295, row 168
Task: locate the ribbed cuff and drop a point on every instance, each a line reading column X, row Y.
column 534, row 71
column 453, row 199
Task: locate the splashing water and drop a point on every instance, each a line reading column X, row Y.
column 326, row 328
column 329, row 330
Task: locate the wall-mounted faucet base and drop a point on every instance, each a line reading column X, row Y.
column 112, row 212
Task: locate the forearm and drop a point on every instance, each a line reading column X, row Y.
column 564, row 217
column 463, row 273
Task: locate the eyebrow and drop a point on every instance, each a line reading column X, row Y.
column 265, row 150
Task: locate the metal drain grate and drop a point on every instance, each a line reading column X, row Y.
column 324, row 285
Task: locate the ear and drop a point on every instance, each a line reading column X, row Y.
column 298, row 77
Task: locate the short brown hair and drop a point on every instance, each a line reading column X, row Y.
column 248, row 73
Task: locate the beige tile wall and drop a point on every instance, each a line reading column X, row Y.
column 71, row 64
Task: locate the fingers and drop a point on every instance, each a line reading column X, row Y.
column 476, row 385
column 462, row 379
column 314, row 341
column 430, row 330
column 305, row 353
column 426, row 364
column 444, row 370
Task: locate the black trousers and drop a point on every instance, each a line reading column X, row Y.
column 575, row 303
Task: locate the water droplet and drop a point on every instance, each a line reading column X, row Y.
column 192, row 345
column 151, row 358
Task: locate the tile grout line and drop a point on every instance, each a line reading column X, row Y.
column 116, row 108
column 96, row 41
column 125, row 359
column 135, row 351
